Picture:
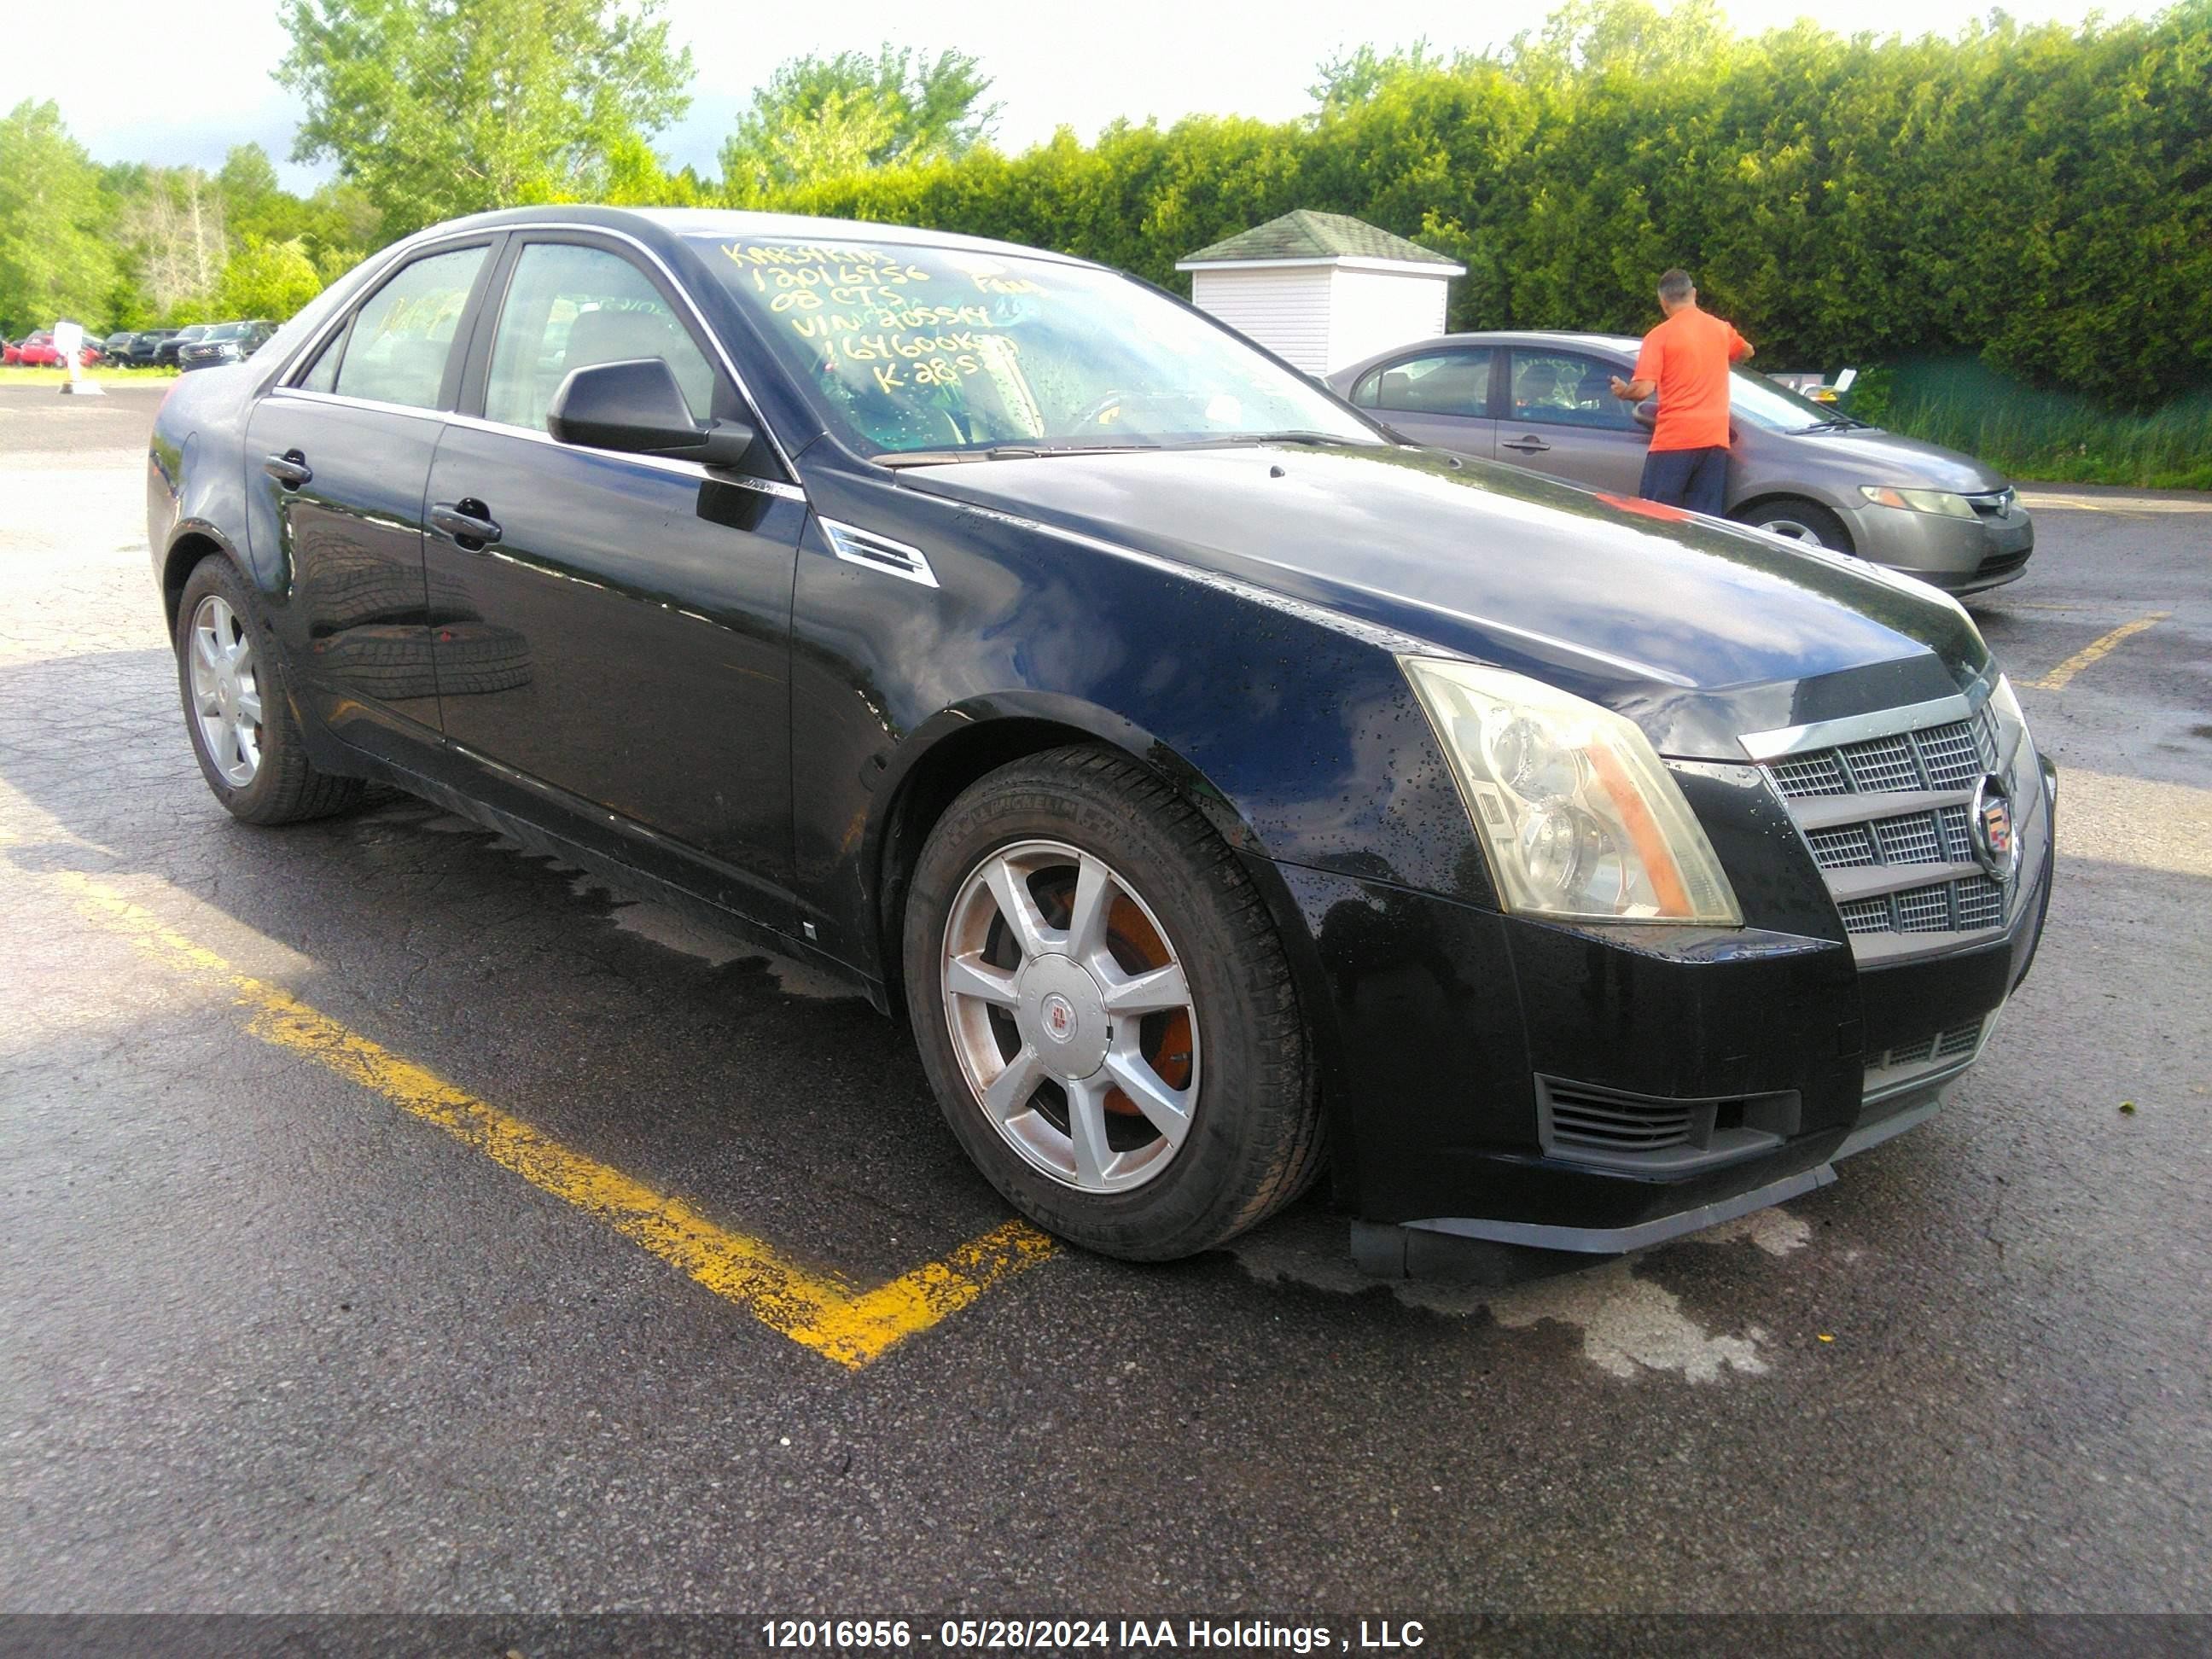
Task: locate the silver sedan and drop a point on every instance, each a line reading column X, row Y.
column 1795, row 468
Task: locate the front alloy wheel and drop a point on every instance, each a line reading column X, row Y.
column 1071, row 1016
column 1105, row 1011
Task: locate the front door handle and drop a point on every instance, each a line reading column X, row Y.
column 290, row 469
column 468, row 522
column 1531, row 445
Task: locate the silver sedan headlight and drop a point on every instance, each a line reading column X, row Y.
column 1579, row 817
column 1940, row 501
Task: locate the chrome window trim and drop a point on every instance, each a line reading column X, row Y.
column 412, row 250
column 1786, row 740
column 775, row 486
column 373, row 404
column 676, row 463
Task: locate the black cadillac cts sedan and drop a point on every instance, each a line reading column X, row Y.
column 1225, row 791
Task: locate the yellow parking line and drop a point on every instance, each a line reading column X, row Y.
column 818, row 1312
column 2095, row 650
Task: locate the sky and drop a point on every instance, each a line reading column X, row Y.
column 127, row 102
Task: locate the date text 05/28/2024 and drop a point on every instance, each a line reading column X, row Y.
column 1109, row 1636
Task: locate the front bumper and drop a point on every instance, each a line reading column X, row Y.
column 1960, row 556
column 1453, row 1025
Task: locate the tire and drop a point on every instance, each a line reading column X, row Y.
column 1799, row 519
column 281, row 786
column 1251, row 1134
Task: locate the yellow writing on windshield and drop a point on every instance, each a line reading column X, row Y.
column 858, row 304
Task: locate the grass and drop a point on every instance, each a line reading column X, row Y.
column 2053, row 437
column 16, row 374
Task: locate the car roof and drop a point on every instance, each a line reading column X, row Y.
column 720, row 222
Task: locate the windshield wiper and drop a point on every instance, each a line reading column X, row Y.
column 1237, row 440
column 1003, row 453
column 1841, row 424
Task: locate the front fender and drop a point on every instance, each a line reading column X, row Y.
column 1293, row 729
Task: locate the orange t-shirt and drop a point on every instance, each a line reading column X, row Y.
column 1687, row 358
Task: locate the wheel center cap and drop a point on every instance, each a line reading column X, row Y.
column 1063, row 1017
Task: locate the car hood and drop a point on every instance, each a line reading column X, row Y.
column 1875, row 457
column 1697, row 630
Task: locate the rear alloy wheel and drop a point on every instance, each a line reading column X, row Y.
column 1799, row 520
column 1105, row 1011
column 236, row 707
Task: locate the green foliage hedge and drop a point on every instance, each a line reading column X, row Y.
column 2040, row 195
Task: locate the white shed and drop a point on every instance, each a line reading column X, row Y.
column 1322, row 289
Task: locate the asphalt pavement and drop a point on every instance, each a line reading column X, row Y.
column 288, row 1328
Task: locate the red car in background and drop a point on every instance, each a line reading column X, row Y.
column 36, row 350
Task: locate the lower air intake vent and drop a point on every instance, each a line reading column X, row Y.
column 1612, row 1129
column 1617, row 1123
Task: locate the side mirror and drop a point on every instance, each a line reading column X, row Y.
column 1646, row 414
column 637, row 407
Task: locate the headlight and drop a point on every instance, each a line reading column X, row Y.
column 1919, row 500
column 1574, row 808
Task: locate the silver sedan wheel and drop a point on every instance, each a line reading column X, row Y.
column 1071, row 1016
column 226, row 690
column 1793, row 529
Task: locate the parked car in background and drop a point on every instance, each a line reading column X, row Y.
column 165, row 355
column 224, row 343
column 36, row 350
column 146, row 346
column 1796, row 468
column 1220, row 788
column 114, row 348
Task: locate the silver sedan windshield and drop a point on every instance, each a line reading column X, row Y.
column 908, row 349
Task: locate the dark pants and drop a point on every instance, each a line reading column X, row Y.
column 1695, row 478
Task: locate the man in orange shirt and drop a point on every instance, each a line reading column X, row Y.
column 1686, row 360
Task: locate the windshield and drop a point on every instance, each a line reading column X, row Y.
column 1753, row 398
column 906, row 349
column 225, row 331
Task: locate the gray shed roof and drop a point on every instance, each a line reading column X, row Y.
column 1304, row 234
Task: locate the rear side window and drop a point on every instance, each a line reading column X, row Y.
column 568, row 307
column 396, row 351
column 1445, row 383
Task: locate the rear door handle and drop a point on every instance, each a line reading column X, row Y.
column 290, row 469
column 1529, row 445
column 468, row 522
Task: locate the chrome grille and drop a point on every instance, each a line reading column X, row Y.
column 1847, row 848
column 1866, row 916
column 1855, row 844
column 1913, row 840
column 1811, row 775
column 1924, row 910
column 1981, row 903
column 1954, row 756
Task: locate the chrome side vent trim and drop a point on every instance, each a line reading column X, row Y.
column 878, row 553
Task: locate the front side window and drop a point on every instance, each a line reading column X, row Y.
column 397, row 350
column 568, row 307
column 1565, row 389
column 904, row 348
column 1442, row 383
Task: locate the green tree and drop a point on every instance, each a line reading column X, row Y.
column 437, row 107
column 819, row 117
column 53, row 263
column 267, row 279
